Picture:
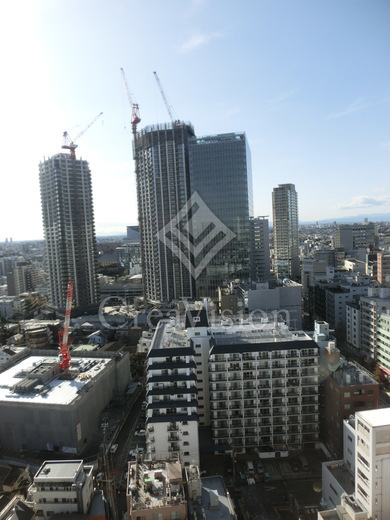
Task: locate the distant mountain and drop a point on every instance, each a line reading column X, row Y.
column 373, row 217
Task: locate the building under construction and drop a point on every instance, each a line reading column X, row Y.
column 43, row 407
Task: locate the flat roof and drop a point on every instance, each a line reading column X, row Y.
column 224, row 510
column 58, row 470
column 379, row 417
column 343, row 475
column 58, row 391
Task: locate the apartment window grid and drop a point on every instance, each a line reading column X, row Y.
column 258, row 403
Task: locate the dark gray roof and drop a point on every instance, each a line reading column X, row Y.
column 171, row 352
column 229, row 344
column 196, row 318
column 173, row 418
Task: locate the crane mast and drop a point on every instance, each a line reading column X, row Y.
column 135, row 115
column 64, row 334
column 69, row 143
column 169, row 107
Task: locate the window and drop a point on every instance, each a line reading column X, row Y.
column 186, row 453
column 347, row 394
column 185, row 432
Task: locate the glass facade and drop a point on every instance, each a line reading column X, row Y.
column 221, row 174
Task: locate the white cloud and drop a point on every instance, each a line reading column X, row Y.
column 198, row 40
column 353, row 107
column 280, row 101
column 362, row 201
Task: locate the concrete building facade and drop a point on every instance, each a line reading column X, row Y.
column 163, row 189
column 355, row 236
column 285, row 230
column 383, row 267
column 372, row 306
column 43, row 409
column 62, row 487
column 261, row 262
column 348, row 389
column 69, row 229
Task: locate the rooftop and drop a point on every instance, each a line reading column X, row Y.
column 59, row 470
column 379, row 417
column 351, row 374
column 38, row 379
column 213, row 487
column 343, row 475
column 155, row 485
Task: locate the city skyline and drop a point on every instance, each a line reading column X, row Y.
column 307, row 83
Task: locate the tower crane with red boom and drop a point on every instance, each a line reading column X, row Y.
column 69, row 144
column 135, row 115
column 64, row 334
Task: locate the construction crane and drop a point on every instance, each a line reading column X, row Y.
column 64, row 334
column 135, row 116
column 170, row 109
column 69, row 144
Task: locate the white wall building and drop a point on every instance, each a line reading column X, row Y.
column 373, row 462
column 62, row 487
column 371, row 307
column 371, row 499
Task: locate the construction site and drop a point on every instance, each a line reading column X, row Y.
column 45, row 408
column 49, row 401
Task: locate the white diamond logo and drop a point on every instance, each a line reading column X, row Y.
column 195, row 233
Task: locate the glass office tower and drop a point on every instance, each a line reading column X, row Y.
column 221, row 175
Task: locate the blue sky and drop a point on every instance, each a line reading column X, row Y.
column 307, row 80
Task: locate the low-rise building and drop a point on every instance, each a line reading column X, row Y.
column 62, row 487
column 370, row 499
column 155, row 490
column 348, row 389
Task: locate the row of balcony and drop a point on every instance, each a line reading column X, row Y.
column 269, row 441
column 237, row 422
column 288, row 355
column 261, row 368
column 231, row 397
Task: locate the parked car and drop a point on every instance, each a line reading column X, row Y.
column 259, row 467
column 140, row 433
column 113, row 448
column 132, row 455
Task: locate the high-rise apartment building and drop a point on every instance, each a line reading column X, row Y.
column 221, row 175
column 285, row 226
column 163, row 189
column 260, row 253
column 69, row 229
column 255, row 385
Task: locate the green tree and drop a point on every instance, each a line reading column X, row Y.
column 138, row 365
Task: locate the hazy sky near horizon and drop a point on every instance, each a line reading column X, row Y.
column 308, row 81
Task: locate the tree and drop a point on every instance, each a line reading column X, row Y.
column 138, row 365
